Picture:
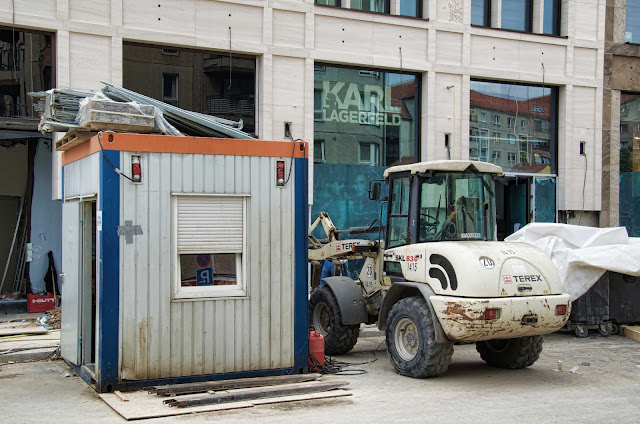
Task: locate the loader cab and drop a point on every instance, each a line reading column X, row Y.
column 441, row 201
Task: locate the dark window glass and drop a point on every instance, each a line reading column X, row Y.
column 214, row 84
column 26, row 64
column 381, row 6
column 630, row 162
column 481, row 12
column 329, row 2
column 551, row 18
column 632, row 31
column 399, row 212
column 411, row 8
column 516, row 14
column 368, row 120
column 523, row 126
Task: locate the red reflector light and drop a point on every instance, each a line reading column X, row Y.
column 136, row 169
column 280, row 173
column 561, row 309
column 491, row 314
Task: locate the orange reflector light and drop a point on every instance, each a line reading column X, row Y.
column 561, row 309
column 491, row 314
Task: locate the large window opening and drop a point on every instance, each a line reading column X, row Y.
column 214, row 84
column 524, row 117
column 368, row 121
column 632, row 30
column 516, row 14
column 629, row 205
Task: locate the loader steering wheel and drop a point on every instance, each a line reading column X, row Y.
column 428, row 220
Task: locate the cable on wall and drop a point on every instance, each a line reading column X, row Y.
column 230, row 59
column 115, row 168
column 584, row 184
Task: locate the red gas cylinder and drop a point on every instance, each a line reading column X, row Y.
column 316, row 350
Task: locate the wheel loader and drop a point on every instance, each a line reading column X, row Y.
column 435, row 276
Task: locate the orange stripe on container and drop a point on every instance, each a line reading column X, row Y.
column 191, row 145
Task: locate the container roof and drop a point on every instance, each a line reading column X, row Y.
column 446, row 165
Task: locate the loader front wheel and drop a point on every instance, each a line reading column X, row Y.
column 324, row 316
column 511, row 353
column 411, row 340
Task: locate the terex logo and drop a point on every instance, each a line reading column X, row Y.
column 526, row 278
column 346, row 246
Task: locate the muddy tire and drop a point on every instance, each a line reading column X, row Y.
column 324, row 316
column 411, row 340
column 511, row 353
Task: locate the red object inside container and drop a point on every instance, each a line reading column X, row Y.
column 38, row 303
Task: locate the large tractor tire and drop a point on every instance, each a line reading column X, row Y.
column 411, row 340
column 511, row 353
column 324, row 316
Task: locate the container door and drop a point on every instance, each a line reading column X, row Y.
column 71, row 250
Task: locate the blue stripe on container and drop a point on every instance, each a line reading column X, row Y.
column 301, row 320
column 109, row 278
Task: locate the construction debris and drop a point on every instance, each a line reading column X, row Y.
column 240, row 383
column 141, row 405
column 118, row 109
column 190, row 123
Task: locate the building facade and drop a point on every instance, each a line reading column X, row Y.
column 621, row 118
column 370, row 83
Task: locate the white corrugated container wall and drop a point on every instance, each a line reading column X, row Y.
column 165, row 337
column 82, row 178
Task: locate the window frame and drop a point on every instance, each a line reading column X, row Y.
column 176, row 80
column 208, row 292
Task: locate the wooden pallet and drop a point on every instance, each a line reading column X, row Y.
column 73, row 137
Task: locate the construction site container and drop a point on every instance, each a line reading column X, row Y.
column 184, row 259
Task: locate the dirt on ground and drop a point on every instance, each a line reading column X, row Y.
column 54, row 320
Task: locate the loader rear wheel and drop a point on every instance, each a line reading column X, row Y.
column 511, row 353
column 411, row 340
column 324, row 316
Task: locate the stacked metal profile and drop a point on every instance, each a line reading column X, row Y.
column 58, row 108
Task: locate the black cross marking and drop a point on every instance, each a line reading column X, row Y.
column 128, row 230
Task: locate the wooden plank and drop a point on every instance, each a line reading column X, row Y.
column 631, row 332
column 16, row 328
column 241, row 383
column 256, row 393
column 142, row 405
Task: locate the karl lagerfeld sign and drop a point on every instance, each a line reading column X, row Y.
column 346, row 105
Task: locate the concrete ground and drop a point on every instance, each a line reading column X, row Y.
column 606, row 389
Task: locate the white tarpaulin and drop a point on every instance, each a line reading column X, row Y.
column 583, row 254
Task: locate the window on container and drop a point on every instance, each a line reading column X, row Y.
column 210, row 239
column 170, row 89
column 329, row 2
column 411, row 8
column 516, row 15
column 529, row 126
column 381, row 6
column 551, row 17
column 632, row 30
column 481, row 12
